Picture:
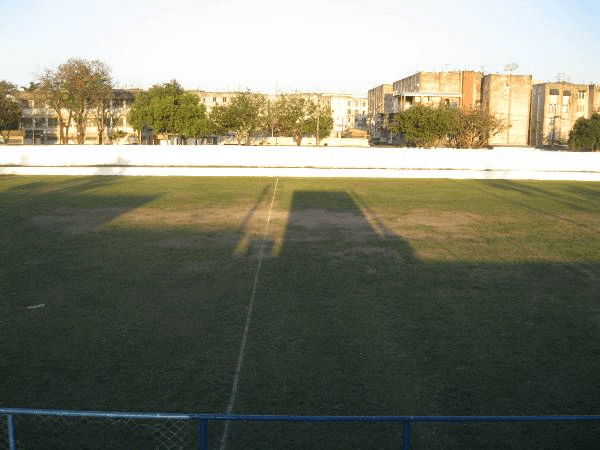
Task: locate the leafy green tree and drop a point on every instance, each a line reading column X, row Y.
column 10, row 110
column 423, row 126
column 472, row 128
column 33, row 86
column 76, row 87
column 298, row 117
column 585, row 134
column 52, row 90
column 169, row 109
column 246, row 115
column 87, row 84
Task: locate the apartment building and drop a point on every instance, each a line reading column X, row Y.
column 210, row 99
column 455, row 89
column 380, row 103
column 348, row 112
column 40, row 124
column 508, row 98
column 555, row 107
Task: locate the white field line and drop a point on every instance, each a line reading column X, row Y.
column 236, row 378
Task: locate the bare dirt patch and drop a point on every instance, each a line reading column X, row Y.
column 432, row 224
column 77, row 221
column 318, row 222
column 446, row 220
column 210, row 217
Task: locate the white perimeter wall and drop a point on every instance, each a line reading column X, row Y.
column 218, row 160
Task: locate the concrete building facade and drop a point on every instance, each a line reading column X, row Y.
column 555, row 107
column 40, row 124
column 508, row 98
column 380, row 104
column 454, row 89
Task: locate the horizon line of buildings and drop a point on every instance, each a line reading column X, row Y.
column 536, row 114
column 39, row 123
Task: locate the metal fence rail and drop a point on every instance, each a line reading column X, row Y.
column 182, row 430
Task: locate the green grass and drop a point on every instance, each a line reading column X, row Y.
column 386, row 297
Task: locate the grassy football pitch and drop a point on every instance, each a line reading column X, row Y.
column 374, row 297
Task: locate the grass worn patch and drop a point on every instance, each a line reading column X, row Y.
column 414, row 297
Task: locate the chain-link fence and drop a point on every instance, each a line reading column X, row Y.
column 67, row 430
column 26, row 429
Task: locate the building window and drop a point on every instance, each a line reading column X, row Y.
column 554, row 91
column 565, row 108
column 349, row 111
column 552, row 107
column 214, row 99
column 581, row 95
column 224, row 99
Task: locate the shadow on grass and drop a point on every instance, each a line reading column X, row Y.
column 559, row 198
column 349, row 321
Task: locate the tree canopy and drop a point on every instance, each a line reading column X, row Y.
column 586, row 134
column 424, row 126
column 10, row 110
column 76, row 87
column 246, row 115
column 169, row 109
column 298, row 117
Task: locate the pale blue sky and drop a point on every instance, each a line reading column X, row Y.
column 308, row 45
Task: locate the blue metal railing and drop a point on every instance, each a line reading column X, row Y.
column 203, row 419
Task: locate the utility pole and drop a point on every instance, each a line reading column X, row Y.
column 318, row 119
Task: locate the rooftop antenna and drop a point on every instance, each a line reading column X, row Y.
column 510, row 67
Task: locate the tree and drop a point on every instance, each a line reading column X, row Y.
column 423, row 126
column 52, row 90
column 33, row 86
column 77, row 87
column 169, row 109
column 245, row 115
column 472, row 128
column 10, row 110
column 585, row 134
column 298, row 117
column 87, row 84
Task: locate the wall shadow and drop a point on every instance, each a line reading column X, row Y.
column 351, row 321
column 348, row 320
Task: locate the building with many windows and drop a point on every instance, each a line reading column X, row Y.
column 539, row 115
column 457, row 89
column 40, row 124
column 380, row 103
column 554, row 109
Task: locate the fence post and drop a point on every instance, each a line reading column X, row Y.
column 406, row 435
column 12, row 440
column 203, row 434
